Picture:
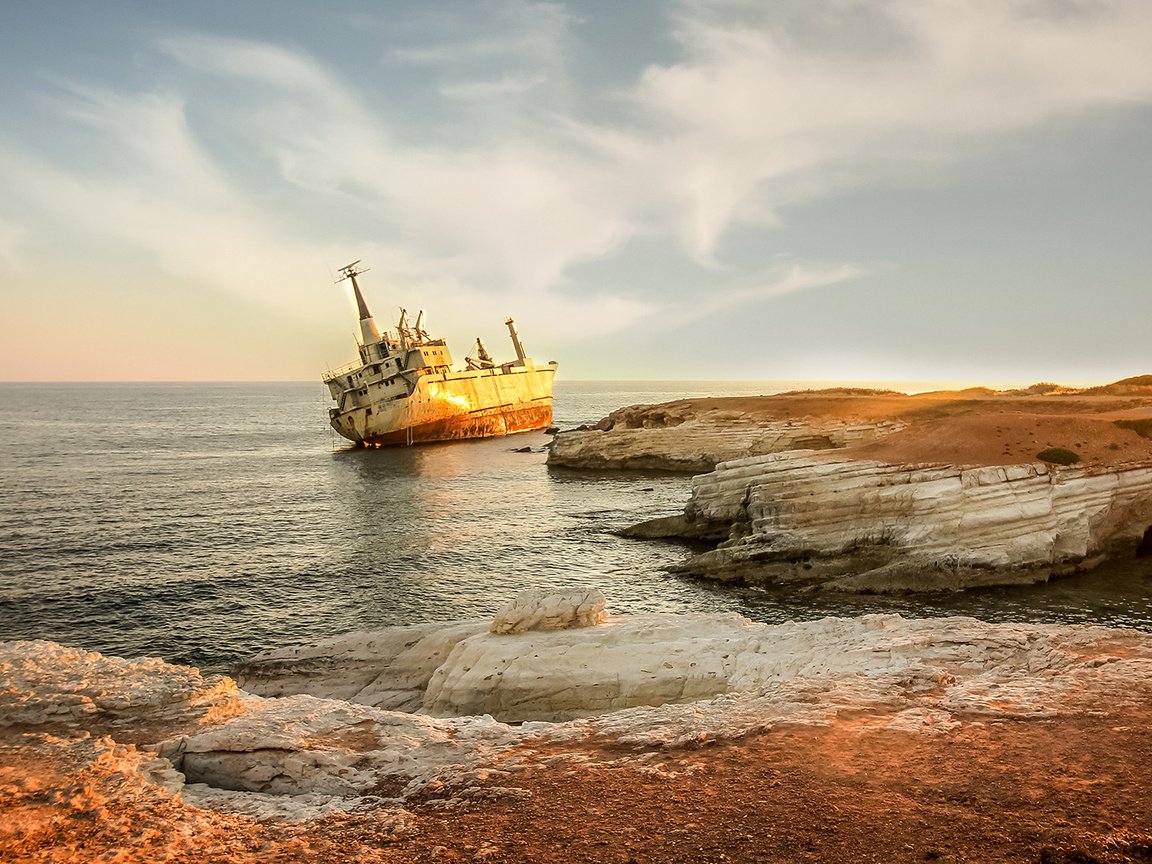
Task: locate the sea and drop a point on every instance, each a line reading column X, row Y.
column 203, row 523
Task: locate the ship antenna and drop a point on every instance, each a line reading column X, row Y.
column 368, row 330
column 349, row 271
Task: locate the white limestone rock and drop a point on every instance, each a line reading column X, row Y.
column 850, row 524
column 638, row 660
column 535, row 609
column 386, row 668
column 300, row 745
column 54, row 689
column 642, row 681
column 659, row 659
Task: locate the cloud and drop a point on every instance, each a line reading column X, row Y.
column 11, row 237
column 767, row 107
column 491, row 89
column 502, row 30
column 785, row 278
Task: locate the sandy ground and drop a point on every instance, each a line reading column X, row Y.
column 1070, row 789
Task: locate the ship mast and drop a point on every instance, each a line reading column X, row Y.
column 369, row 333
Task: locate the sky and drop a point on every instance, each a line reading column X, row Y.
column 850, row 190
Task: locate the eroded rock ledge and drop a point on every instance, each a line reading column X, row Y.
column 823, row 520
column 933, row 492
column 206, row 759
column 680, row 437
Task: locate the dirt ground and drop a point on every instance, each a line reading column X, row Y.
column 1063, row 790
column 969, row 427
column 1072, row 790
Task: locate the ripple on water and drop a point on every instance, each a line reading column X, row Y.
column 202, row 523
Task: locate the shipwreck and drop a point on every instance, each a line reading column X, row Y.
column 402, row 389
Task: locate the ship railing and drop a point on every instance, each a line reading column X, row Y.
column 347, row 369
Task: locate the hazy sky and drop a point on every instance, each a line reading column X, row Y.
column 709, row 189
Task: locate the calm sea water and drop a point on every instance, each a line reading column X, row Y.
column 204, row 522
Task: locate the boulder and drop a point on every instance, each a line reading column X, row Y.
column 534, row 609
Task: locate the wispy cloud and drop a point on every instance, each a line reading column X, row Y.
column 11, row 236
column 491, row 89
column 254, row 162
column 517, row 30
column 767, row 107
column 782, row 279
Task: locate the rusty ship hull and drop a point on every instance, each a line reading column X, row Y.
column 404, row 391
column 476, row 404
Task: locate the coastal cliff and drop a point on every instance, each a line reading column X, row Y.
column 153, row 761
column 677, row 437
column 862, row 525
column 935, row 492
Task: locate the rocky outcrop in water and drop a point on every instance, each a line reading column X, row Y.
column 669, row 438
column 824, row 520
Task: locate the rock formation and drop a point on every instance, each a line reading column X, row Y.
column 55, row 689
column 855, row 490
column 860, row 525
column 700, row 442
column 534, row 609
column 386, row 668
column 1103, row 425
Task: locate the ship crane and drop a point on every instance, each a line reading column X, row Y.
column 483, row 358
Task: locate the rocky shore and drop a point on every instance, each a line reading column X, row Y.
column 936, row 492
column 689, row 738
column 696, row 435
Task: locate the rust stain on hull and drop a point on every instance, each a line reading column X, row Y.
column 492, row 424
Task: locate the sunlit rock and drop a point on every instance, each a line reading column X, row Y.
column 535, row 609
column 54, row 689
column 387, row 668
column 302, row 745
column 643, row 438
column 644, row 682
column 858, row 525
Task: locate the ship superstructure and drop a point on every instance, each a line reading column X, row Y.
column 403, row 389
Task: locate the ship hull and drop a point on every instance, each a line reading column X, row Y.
column 454, row 406
column 493, row 424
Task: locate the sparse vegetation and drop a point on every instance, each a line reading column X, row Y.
column 1041, row 389
column 843, row 391
column 1142, row 427
column 1139, row 385
column 1058, row 456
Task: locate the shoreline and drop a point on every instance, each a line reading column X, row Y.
column 874, row 491
column 943, row 739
